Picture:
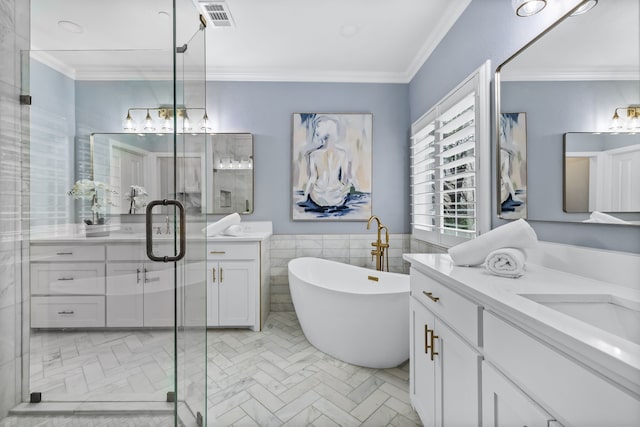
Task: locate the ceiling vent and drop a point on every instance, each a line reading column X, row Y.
column 216, row 13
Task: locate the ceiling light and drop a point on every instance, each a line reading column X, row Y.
column 72, row 27
column 585, row 7
column 528, row 7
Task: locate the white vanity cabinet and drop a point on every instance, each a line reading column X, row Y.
column 445, row 368
column 501, row 359
column 139, row 292
column 67, row 286
column 233, row 284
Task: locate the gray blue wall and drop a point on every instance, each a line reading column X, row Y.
column 489, row 29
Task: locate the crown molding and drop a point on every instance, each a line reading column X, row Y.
column 439, row 32
column 50, row 61
column 542, row 75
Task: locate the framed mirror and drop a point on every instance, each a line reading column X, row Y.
column 572, row 80
column 217, row 175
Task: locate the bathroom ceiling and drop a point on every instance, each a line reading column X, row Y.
column 278, row 40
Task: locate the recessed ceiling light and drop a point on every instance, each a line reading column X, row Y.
column 585, row 7
column 349, row 30
column 72, row 27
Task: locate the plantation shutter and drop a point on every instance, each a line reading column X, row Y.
column 445, row 145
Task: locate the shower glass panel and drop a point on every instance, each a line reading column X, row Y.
column 104, row 323
column 191, row 190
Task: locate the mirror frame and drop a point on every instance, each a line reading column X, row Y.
column 497, row 114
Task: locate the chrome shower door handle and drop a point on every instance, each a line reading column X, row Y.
column 149, row 231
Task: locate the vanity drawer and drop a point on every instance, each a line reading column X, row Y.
column 65, row 278
column 137, row 251
column 67, row 312
column 232, row 250
column 575, row 394
column 67, row 253
column 461, row 314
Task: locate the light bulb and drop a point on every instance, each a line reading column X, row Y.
column 168, row 125
column 148, row 123
column 250, row 163
column 220, row 164
column 186, row 123
column 528, row 7
column 634, row 123
column 615, row 121
column 129, row 125
column 205, row 124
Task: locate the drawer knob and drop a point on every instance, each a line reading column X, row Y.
column 431, row 297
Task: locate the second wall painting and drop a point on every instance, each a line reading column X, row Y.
column 332, row 166
column 513, row 166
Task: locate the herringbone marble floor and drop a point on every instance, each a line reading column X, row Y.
column 271, row 378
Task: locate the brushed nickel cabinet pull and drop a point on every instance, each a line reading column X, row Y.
column 217, row 252
column 213, row 275
column 431, row 297
column 137, row 275
column 66, row 312
column 64, row 253
column 65, row 278
column 220, row 274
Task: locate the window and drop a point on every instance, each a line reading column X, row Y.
column 450, row 164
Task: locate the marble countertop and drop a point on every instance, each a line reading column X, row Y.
column 614, row 356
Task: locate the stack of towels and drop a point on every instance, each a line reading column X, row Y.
column 501, row 250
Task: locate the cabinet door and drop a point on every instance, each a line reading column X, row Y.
column 159, row 294
column 125, row 294
column 457, row 379
column 237, row 288
column 504, row 405
column 422, row 377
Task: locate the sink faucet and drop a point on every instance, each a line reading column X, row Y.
column 379, row 251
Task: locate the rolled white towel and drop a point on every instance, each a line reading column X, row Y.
column 506, row 262
column 222, row 224
column 233, row 230
column 516, row 234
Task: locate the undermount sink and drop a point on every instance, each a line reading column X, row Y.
column 616, row 315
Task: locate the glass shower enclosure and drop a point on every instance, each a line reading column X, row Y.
column 115, row 284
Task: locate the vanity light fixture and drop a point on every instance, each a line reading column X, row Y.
column 165, row 114
column 528, row 7
column 632, row 119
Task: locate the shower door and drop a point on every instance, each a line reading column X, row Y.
column 115, row 311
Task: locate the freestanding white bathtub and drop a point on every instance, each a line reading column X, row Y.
column 345, row 313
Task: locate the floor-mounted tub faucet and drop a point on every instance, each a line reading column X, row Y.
column 379, row 252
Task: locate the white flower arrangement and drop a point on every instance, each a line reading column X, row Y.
column 137, row 198
column 98, row 192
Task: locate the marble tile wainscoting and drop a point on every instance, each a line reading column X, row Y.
column 14, row 195
column 354, row 249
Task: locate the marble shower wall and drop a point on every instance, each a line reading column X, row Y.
column 14, row 37
column 354, row 249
